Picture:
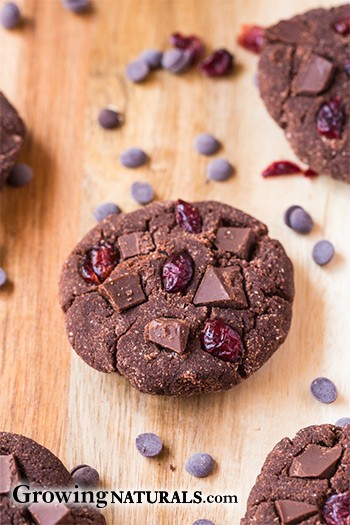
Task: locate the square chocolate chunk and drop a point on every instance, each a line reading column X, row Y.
column 238, row 241
column 123, row 292
column 9, row 474
column 314, row 75
column 137, row 243
column 169, row 333
column 221, row 287
column 50, row 514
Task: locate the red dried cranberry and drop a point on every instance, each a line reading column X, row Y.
column 281, row 167
column 177, row 272
column 188, row 217
column 222, row 341
column 251, row 38
column 192, row 44
column 342, row 26
column 98, row 263
column 330, row 119
column 347, row 67
column 218, row 64
column 337, row 509
column 310, row 173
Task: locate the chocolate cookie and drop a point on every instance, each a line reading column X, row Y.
column 305, row 480
column 179, row 298
column 304, row 80
column 23, row 461
column 12, row 131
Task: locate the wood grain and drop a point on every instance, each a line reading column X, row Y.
column 60, row 69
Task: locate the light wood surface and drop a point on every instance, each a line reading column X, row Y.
column 59, row 70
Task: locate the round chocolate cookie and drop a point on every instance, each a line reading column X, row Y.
column 23, row 461
column 180, row 298
column 304, row 80
column 305, row 480
column 12, row 132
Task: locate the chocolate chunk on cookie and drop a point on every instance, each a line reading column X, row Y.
column 179, row 298
column 304, row 83
column 22, row 460
column 305, row 480
column 12, row 132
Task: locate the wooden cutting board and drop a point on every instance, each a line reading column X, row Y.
column 59, row 70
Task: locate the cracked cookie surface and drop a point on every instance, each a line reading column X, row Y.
column 304, row 481
column 304, row 80
column 178, row 312
column 12, row 132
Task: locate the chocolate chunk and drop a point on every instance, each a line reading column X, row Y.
column 316, row 462
column 169, row 333
column 238, row 241
column 9, row 475
column 123, row 292
column 286, row 31
column 50, row 514
column 136, row 243
column 314, row 75
column 292, row 512
column 221, row 287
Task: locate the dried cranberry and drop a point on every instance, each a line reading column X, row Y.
column 218, row 64
column 177, row 272
column 310, row 173
column 98, row 263
column 222, row 341
column 281, row 167
column 252, row 38
column 347, row 67
column 330, row 119
column 342, row 26
column 187, row 216
column 192, row 44
column 337, row 509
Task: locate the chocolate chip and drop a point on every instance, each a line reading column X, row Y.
column 300, row 221
column 110, row 119
column 238, row 241
column 123, row 291
column 3, row 277
column 50, row 514
column 142, row 192
column 219, row 170
column 85, row 476
column 10, row 15
column 287, row 213
column 168, row 333
column 20, row 175
column 102, row 211
column 136, row 243
column 324, row 390
column 221, row 287
column 133, row 158
column 9, row 473
column 176, row 61
column 153, row 57
column 200, row 465
column 137, row 71
column 323, row 252
column 316, row 462
column 314, row 75
column 206, row 144
column 203, row 522
column 287, row 31
column 149, row 445
column 292, row 512
column 342, row 422
column 77, row 6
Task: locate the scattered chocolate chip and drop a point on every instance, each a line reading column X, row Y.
column 292, row 512
column 9, row 473
column 77, row 6
column 102, row 211
column 206, row 144
column 110, row 119
column 10, row 15
column 342, row 422
column 20, row 175
column 149, row 445
column 300, row 221
column 324, row 390
column 323, row 252
column 133, row 158
column 168, row 333
column 137, row 71
column 85, row 476
column 3, row 277
column 220, row 63
column 200, row 465
column 142, row 192
column 153, row 57
column 336, row 510
column 238, row 241
column 316, row 462
column 219, row 170
column 136, row 243
column 176, row 61
column 203, row 522
column 314, row 75
column 286, row 215
column 50, row 514
column 123, row 291
column 221, row 287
